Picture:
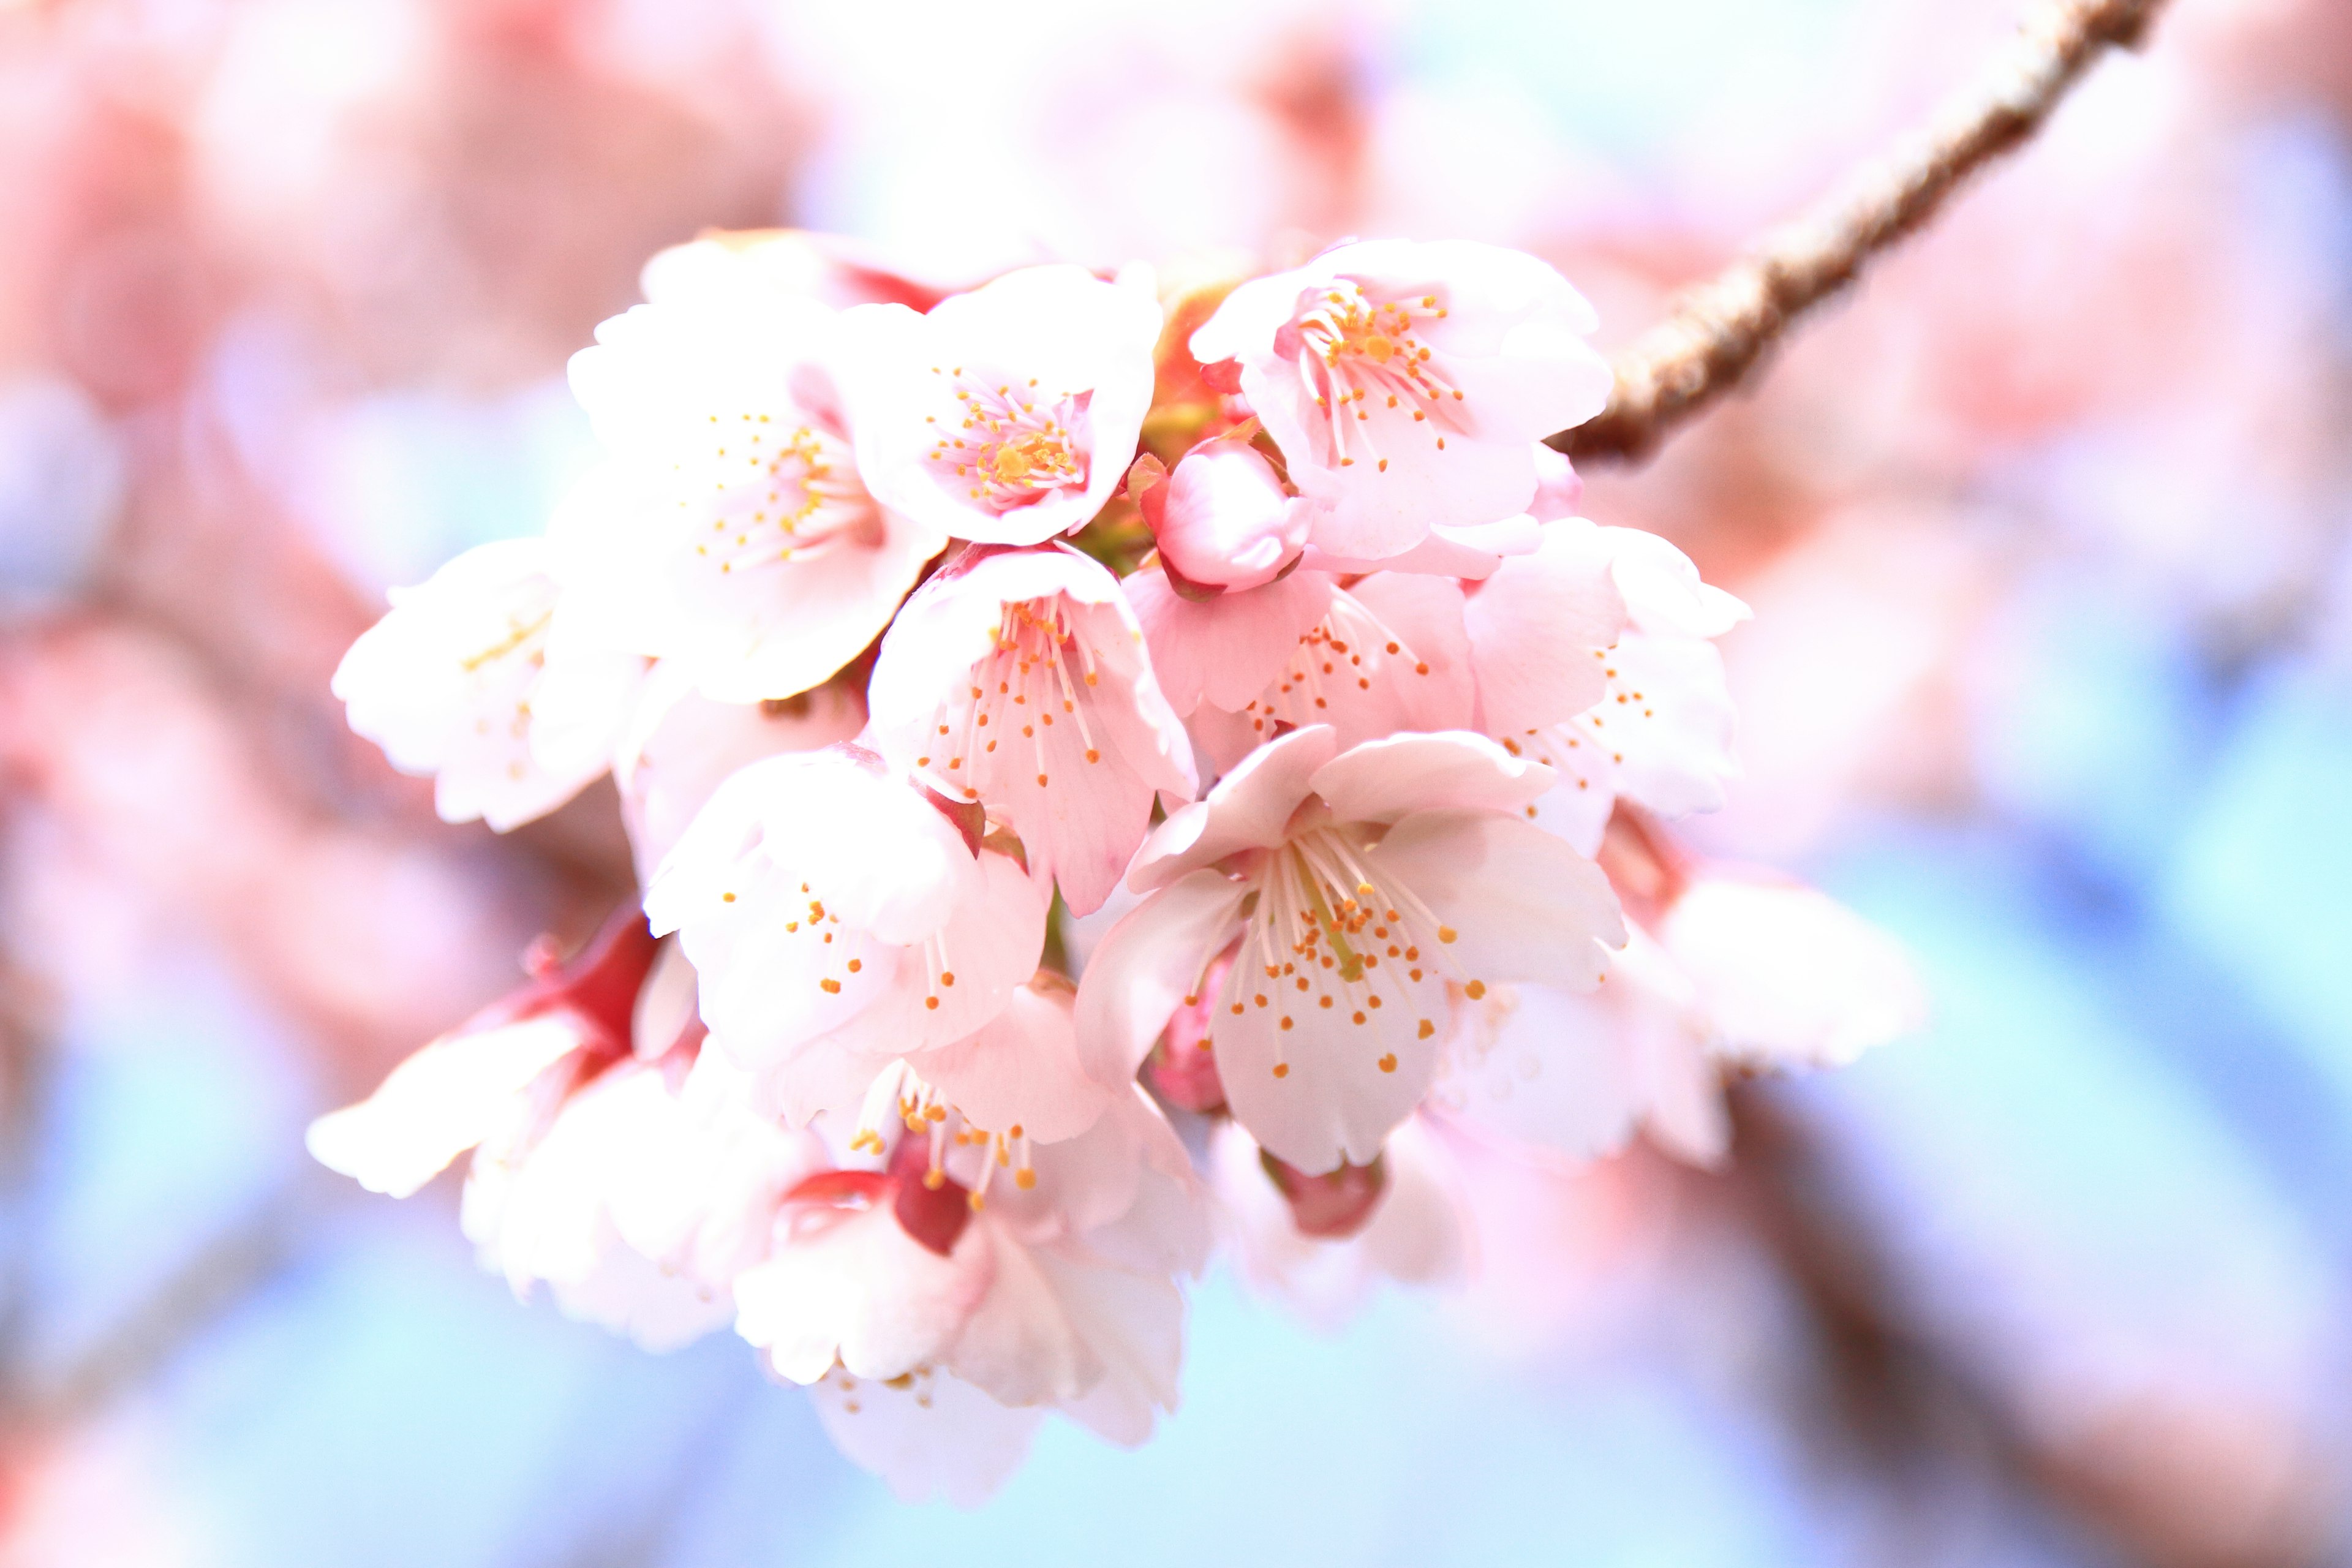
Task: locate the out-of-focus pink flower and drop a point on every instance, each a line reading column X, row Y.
column 449, row 683
column 1414, row 1230
column 1787, row 975
column 1741, row 973
column 1594, row 655
column 839, row 921
column 728, row 532
column 1363, row 887
column 558, row 1090
column 1007, row 414
column 461, row 1088
column 832, row 270
column 1405, row 383
column 1018, row 678
column 1223, row 519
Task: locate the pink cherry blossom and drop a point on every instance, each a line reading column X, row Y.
column 1058, row 1292
column 1788, row 976
column 1019, row 679
column 1594, row 655
column 556, row 1089
column 447, row 682
column 838, row 920
column 1365, row 888
column 468, row 1083
column 1742, row 973
column 1007, row 414
column 1405, row 383
column 1221, row 519
column 728, row 531
column 1416, row 1231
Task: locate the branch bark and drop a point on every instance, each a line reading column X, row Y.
column 1720, row 328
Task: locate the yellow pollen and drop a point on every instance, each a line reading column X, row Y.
column 830, row 986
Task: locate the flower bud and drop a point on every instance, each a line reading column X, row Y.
column 1223, row 520
column 1332, row 1206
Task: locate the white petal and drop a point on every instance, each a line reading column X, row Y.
column 1381, row 781
column 1248, row 810
column 1789, row 974
column 1525, row 906
column 857, row 1287
column 438, row 1103
column 935, row 1437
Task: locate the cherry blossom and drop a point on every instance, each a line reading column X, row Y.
column 464, row 1084
column 838, row 919
column 1413, row 1230
column 1007, row 414
column 1406, row 381
column 1366, row 887
column 554, row 1087
column 728, row 531
column 1018, row 679
column 898, row 614
column 1735, row 971
column 920, row 1278
column 447, row 685
column 1594, row 655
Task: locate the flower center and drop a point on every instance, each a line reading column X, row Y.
column 800, row 497
column 1332, row 935
column 1039, row 667
column 1360, row 357
column 1011, row 448
column 900, row 1093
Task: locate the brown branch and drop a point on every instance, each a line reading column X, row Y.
column 1720, row 328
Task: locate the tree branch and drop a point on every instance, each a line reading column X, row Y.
column 1720, row 328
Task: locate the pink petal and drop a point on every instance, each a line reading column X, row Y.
column 1381, row 781
column 1248, row 810
column 1142, row 971
column 1524, row 906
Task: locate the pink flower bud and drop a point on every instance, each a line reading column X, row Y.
column 1183, row 1069
column 1332, row 1206
column 1223, row 519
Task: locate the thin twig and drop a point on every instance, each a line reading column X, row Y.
column 1719, row 328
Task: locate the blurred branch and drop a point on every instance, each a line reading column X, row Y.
column 1904, row 1402
column 221, row 1276
column 1719, row 329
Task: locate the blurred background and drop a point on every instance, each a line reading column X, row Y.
column 2049, row 534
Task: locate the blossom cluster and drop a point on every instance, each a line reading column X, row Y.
column 1242, row 639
